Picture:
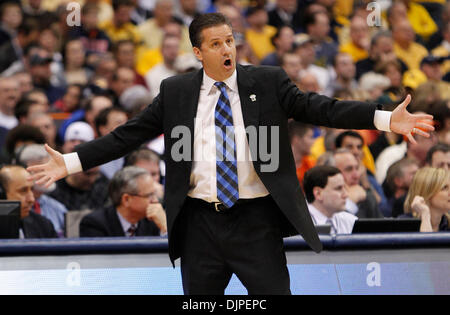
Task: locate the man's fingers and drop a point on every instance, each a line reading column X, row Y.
column 421, row 133
column 411, row 138
column 406, row 101
column 424, row 126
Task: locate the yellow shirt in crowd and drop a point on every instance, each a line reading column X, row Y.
column 356, row 52
column 260, row 42
column 411, row 56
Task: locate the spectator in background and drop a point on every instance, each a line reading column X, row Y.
column 95, row 41
column 125, row 55
column 354, row 142
column 318, row 28
column 9, row 96
column 10, row 19
column 291, row 64
column 301, row 137
column 163, row 15
column 420, row 19
column 38, row 96
column 304, row 47
column 49, row 40
column 373, row 85
column 46, row 125
column 74, row 63
column 14, row 179
column 105, row 122
column 33, row 11
column 361, row 200
column 77, row 133
column 308, row 82
column 44, row 205
column 70, row 102
column 283, row 40
column 439, row 156
column 396, row 185
column 39, row 62
column 150, row 161
column 417, row 151
column 359, row 44
column 381, row 50
column 345, row 75
column 187, row 11
column 170, row 48
column 259, row 33
column 326, row 193
column 120, row 26
column 431, row 67
column 135, row 210
column 444, row 49
column 20, row 136
column 24, row 80
column 286, row 12
column 405, row 48
column 392, row 70
column 25, row 108
column 429, row 199
column 87, row 114
column 122, row 79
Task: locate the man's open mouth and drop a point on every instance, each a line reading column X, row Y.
column 227, row 62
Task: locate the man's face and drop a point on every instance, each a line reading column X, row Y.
column 345, row 67
column 432, row 71
column 163, row 12
column 19, row 188
column 333, row 195
column 98, row 104
column 349, row 166
column 355, row 145
column 115, row 119
column 217, row 52
column 138, row 203
column 9, row 93
column 408, row 175
column 383, row 49
column 46, row 126
column 151, row 166
column 125, row 79
column 286, row 39
column 122, row 15
column 72, row 97
column 170, row 49
column 126, row 56
column 287, row 5
column 441, row 160
column 292, row 65
column 85, row 180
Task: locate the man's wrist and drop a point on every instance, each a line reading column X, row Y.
column 73, row 164
column 382, row 120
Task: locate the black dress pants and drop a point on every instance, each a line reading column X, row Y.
column 245, row 240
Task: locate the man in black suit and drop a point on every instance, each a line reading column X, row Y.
column 229, row 215
column 14, row 180
column 135, row 211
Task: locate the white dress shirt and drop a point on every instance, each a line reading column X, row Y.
column 203, row 176
column 341, row 222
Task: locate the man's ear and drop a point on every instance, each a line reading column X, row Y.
column 197, row 53
column 317, row 192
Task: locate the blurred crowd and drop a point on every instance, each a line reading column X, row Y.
column 72, row 73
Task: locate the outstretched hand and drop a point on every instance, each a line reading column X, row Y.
column 404, row 123
column 48, row 173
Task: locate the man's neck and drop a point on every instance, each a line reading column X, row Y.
column 7, row 111
column 128, row 215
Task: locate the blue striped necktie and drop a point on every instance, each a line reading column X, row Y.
column 226, row 167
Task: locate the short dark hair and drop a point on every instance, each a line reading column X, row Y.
column 440, row 147
column 102, row 118
column 116, row 4
column 298, row 129
column 202, row 22
column 23, row 107
column 317, row 177
column 340, row 138
column 23, row 133
column 142, row 153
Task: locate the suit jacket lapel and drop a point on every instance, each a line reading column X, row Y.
column 113, row 219
column 248, row 95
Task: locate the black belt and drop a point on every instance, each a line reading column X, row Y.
column 220, row 207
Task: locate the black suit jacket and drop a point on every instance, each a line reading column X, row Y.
column 105, row 223
column 37, row 226
column 277, row 100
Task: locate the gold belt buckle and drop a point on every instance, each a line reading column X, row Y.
column 216, row 204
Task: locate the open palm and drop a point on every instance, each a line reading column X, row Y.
column 48, row 173
column 404, row 123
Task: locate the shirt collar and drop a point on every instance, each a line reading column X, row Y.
column 231, row 82
column 125, row 224
column 319, row 217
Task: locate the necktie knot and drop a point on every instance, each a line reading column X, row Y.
column 221, row 86
column 132, row 230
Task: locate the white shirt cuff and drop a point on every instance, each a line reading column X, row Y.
column 382, row 120
column 73, row 164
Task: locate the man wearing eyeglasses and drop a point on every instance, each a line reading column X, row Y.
column 135, row 211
